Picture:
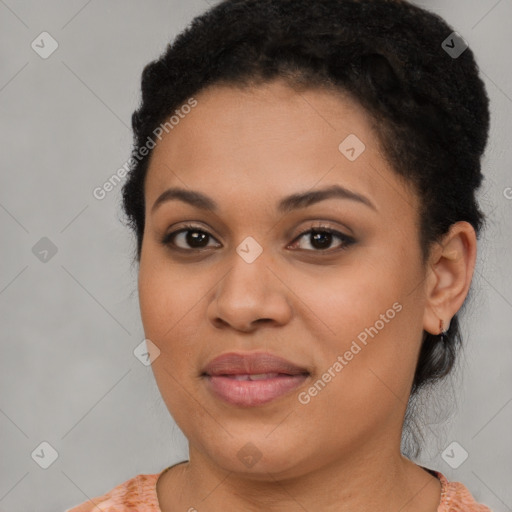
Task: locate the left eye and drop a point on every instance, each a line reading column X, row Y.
column 320, row 239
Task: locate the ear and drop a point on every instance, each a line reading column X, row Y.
column 449, row 273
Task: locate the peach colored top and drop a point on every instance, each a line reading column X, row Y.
column 139, row 495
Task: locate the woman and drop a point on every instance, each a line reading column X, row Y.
column 302, row 190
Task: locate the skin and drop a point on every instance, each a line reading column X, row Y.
column 340, row 451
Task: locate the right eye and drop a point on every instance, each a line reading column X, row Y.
column 195, row 237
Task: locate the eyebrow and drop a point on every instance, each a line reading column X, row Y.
column 285, row 205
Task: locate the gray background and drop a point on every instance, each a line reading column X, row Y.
column 68, row 375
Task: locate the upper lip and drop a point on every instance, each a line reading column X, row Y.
column 233, row 363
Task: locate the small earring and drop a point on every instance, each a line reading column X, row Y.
column 443, row 332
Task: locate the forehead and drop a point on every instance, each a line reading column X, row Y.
column 268, row 141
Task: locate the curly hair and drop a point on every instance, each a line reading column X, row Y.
column 430, row 110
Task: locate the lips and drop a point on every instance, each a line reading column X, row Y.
column 248, row 380
column 251, row 364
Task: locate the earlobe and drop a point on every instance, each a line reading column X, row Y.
column 451, row 269
column 444, row 325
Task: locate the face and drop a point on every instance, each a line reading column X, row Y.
column 333, row 283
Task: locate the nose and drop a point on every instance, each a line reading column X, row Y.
column 250, row 294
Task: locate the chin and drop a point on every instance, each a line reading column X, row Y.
column 259, row 458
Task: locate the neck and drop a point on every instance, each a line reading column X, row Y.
column 372, row 478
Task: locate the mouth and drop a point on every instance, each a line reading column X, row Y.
column 248, row 380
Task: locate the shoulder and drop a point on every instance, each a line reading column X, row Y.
column 136, row 494
column 455, row 497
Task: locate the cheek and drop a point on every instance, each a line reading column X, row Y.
column 346, row 300
column 169, row 309
column 365, row 365
column 369, row 313
column 167, row 296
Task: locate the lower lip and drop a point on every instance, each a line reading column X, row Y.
column 250, row 393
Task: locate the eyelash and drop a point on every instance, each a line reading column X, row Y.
column 347, row 240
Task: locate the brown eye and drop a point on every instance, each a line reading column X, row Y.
column 189, row 237
column 320, row 239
